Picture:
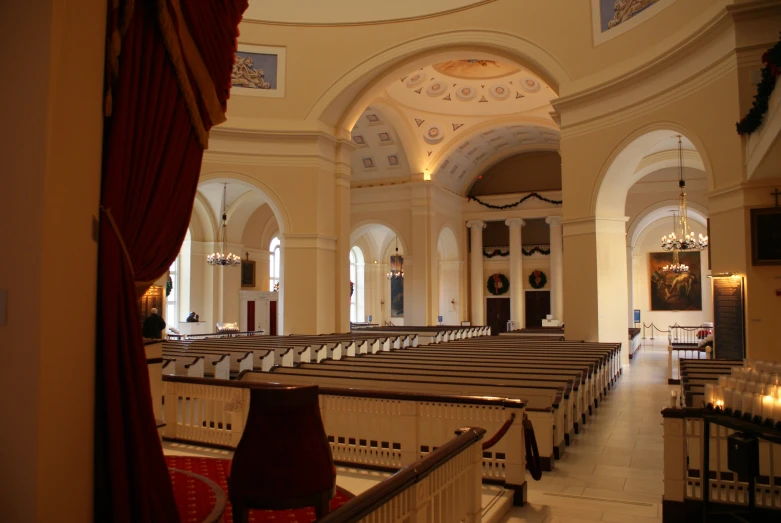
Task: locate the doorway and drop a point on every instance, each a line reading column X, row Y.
column 537, row 307
column 497, row 314
column 251, row 316
column 272, row 318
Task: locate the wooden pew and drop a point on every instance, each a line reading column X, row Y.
column 543, row 417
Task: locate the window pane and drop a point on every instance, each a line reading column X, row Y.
column 276, row 262
column 270, row 265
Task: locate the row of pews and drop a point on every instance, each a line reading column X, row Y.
column 697, row 373
column 228, row 356
column 561, row 382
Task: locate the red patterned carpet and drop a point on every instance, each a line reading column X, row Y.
column 201, row 499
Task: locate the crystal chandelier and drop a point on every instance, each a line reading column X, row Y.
column 682, row 239
column 396, row 265
column 224, row 258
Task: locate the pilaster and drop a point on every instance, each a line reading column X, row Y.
column 556, row 267
column 516, row 272
column 476, row 275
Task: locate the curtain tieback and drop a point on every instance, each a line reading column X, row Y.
column 139, row 284
column 121, row 240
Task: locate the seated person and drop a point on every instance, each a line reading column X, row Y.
column 153, row 326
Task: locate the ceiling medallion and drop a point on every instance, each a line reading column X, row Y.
column 530, row 85
column 434, row 134
column 415, row 79
column 499, row 92
column 436, row 89
column 466, row 93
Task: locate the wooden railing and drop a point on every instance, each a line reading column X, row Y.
column 443, row 487
column 380, row 429
column 684, row 466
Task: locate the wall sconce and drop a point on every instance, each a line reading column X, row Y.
column 453, row 303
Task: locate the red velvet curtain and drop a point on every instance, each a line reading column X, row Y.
column 168, row 79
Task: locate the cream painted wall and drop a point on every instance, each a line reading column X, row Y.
column 311, row 69
column 648, row 242
column 49, row 196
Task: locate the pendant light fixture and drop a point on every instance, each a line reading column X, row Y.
column 682, row 239
column 224, row 258
column 396, row 265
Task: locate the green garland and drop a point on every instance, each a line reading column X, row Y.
column 537, row 279
column 516, row 204
column 169, row 286
column 498, row 284
column 495, row 252
column 772, row 69
column 530, row 252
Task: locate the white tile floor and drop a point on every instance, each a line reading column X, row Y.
column 613, row 469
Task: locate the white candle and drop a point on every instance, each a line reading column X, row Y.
column 718, row 396
column 740, row 384
column 709, row 394
column 738, row 398
column 765, row 377
column 745, row 404
column 722, row 381
column 735, row 372
column 759, row 388
column 768, row 407
column 757, row 410
column 727, row 397
column 771, row 390
column 732, row 382
column 774, row 378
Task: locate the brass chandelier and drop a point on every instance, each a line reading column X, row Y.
column 396, row 265
column 682, row 239
column 224, row 258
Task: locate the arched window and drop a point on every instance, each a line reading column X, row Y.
column 273, row 263
column 357, row 308
column 179, row 297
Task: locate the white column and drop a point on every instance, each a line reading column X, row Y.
column 556, row 268
column 630, row 286
column 516, row 272
column 476, row 278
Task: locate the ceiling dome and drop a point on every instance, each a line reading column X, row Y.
column 317, row 12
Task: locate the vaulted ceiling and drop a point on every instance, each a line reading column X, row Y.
column 449, row 121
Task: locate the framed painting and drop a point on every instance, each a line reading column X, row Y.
column 766, row 236
column 675, row 292
column 247, row 273
column 259, row 71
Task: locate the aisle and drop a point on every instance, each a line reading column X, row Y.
column 613, row 470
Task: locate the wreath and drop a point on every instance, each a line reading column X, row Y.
column 169, row 286
column 537, row 279
column 498, row 284
column 352, row 289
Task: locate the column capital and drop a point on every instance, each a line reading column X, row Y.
column 553, row 220
column 514, row 222
column 475, row 224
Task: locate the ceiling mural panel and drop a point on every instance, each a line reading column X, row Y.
column 482, row 69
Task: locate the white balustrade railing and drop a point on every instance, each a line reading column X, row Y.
column 444, row 487
column 684, row 452
column 387, row 430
